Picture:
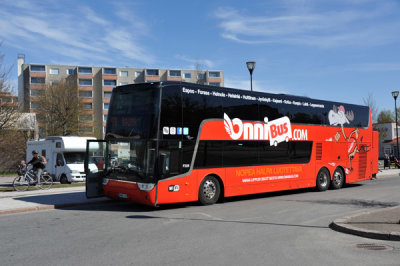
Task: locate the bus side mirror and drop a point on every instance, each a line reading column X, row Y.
column 162, row 164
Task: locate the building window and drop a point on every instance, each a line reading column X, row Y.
column 151, row 72
column 84, row 70
column 85, row 130
column 38, row 68
column 40, row 118
column 138, row 74
column 214, row 74
column 123, row 73
column 86, row 118
column 123, row 83
column 70, row 71
column 37, row 93
column 87, row 106
column 85, row 82
column 110, row 82
column 111, row 71
column 174, row 73
column 36, row 80
column 105, row 118
column 54, row 82
column 188, row 76
column 215, row 84
column 106, row 106
column 85, row 94
column 107, row 94
column 54, row 71
column 36, row 105
column 201, row 76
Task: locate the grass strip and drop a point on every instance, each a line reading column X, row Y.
column 32, row 188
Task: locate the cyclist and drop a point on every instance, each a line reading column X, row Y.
column 38, row 163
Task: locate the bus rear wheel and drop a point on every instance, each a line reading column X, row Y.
column 323, row 179
column 209, row 190
column 337, row 178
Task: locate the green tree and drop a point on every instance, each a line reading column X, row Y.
column 385, row 116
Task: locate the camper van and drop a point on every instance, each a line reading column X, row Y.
column 65, row 157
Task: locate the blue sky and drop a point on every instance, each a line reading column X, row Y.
column 339, row 50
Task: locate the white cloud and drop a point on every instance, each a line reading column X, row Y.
column 374, row 67
column 78, row 34
column 202, row 63
column 314, row 27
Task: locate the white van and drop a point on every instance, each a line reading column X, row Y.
column 65, row 157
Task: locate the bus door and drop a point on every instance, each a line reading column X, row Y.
column 95, row 167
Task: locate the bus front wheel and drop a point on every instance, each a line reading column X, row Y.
column 209, row 190
column 323, row 179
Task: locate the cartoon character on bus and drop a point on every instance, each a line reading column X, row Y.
column 339, row 116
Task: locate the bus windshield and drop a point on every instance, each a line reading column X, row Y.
column 131, row 160
column 134, row 112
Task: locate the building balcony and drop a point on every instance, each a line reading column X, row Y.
column 37, row 86
column 37, row 74
column 85, row 76
column 215, row 80
column 174, row 78
column 152, row 78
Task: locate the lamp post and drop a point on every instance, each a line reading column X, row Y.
column 395, row 94
column 251, row 66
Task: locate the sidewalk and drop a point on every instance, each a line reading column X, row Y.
column 54, row 198
column 380, row 224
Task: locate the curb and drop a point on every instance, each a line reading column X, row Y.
column 341, row 225
column 52, row 207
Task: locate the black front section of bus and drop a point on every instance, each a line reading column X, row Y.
column 132, row 132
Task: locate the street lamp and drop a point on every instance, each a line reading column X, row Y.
column 395, row 94
column 251, row 66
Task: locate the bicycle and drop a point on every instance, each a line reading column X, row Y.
column 26, row 178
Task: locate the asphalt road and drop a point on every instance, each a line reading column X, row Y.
column 289, row 228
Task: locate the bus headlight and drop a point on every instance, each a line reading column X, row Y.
column 145, row 186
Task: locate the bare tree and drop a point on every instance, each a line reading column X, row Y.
column 199, row 71
column 9, row 114
column 370, row 101
column 12, row 140
column 60, row 108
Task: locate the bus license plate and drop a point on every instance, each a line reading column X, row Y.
column 122, row 195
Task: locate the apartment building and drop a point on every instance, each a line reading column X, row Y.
column 95, row 84
column 7, row 99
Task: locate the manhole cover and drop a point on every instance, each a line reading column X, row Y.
column 372, row 246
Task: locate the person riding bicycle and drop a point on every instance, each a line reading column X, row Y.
column 38, row 163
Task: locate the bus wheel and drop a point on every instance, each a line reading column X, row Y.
column 323, row 179
column 209, row 190
column 337, row 178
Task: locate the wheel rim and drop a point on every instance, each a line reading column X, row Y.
column 337, row 178
column 20, row 184
column 209, row 189
column 323, row 180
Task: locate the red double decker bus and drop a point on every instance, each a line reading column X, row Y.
column 170, row 142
